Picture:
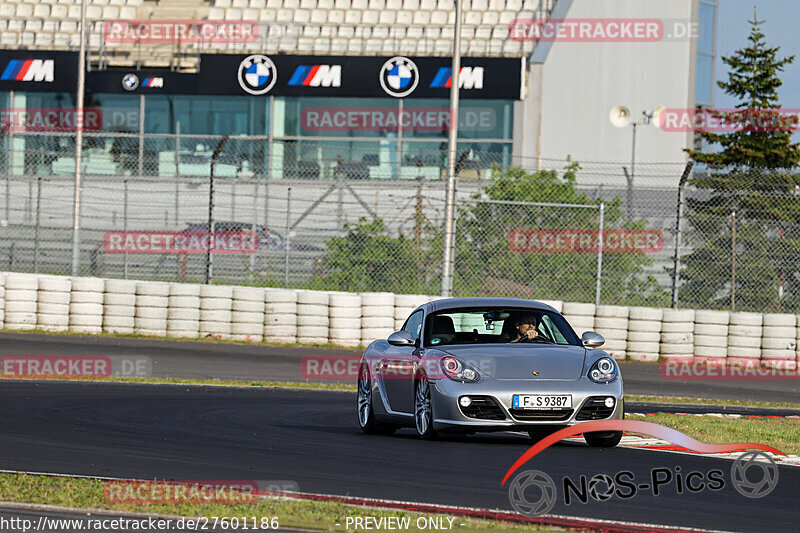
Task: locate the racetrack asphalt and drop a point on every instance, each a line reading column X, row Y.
column 205, row 360
column 311, row 437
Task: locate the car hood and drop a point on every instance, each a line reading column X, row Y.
column 519, row 362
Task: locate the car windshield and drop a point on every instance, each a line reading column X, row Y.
column 494, row 325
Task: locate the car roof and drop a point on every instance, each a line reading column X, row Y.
column 455, row 303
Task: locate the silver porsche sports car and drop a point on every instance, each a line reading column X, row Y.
column 488, row 364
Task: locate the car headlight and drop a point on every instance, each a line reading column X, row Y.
column 458, row 371
column 604, row 370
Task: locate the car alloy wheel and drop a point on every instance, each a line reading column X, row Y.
column 364, row 397
column 366, row 416
column 423, row 409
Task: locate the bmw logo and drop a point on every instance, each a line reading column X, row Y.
column 257, row 74
column 130, row 82
column 399, row 77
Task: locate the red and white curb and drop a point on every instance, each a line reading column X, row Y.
column 649, row 443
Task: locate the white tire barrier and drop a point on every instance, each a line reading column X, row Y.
column 344, row 319
column 558, row 305
column 611, row 321
column 779, row 336
column 712, row 341
column 280, row 316
column 52, row 303
column 150, row 317
column 21, row 281
column 216, row 311
column 247, row 314
column 579, row 315
column 119, row 306
column 741, row 344
column 369, row 335
column 711, row 333
column 643, row 351
column 779, row 320
column 86, row 305
column 677, row 333
column 183, row 311
column 377, row 316
column 312, row 317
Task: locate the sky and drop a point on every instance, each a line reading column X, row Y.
column 780, row 28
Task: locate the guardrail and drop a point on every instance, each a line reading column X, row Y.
column 256, row 314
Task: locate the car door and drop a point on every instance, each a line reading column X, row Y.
column 397, row 367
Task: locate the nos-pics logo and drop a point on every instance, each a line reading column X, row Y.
column 257, row 74
column 399, row 77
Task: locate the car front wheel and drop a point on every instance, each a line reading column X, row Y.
column 366, row 416
column 423, row 408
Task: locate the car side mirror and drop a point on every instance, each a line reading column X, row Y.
column 401, row 338
column 590, row 339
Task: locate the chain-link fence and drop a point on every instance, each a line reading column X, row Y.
column 299, row 213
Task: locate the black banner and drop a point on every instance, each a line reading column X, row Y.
column 399, row 77
column 280, row 75
column 38, row 71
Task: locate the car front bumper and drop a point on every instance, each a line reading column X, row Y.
column 445, row 395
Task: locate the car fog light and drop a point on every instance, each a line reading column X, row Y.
column 465, row 401
column 609, row 402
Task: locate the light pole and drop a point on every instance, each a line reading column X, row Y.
column 452, row 148
column 76, row 221
column 620, row 117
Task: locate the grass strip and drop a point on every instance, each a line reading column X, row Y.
column 87, row 493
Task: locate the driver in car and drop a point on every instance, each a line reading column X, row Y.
column 525, row 328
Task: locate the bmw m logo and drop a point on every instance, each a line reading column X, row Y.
column 399, row 77
column 29, row 70
column 468, row 78
column 257, row 74
column 317, row 76
column 130, row 82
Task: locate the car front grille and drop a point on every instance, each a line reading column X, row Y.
column 551, row 414
column 594, row 408
column 483, row 407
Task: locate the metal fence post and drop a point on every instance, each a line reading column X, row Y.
column 599, row 254
column 125, row 225
column 214, row 158
column 678, row 218
column 286, row 235
column 38, row 222
column 733, row 261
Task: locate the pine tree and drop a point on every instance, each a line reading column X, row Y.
column 749, row 172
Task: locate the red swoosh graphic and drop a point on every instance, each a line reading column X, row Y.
column 636, row 426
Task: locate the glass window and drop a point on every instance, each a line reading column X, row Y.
column 335, row 117
column 207, row 115
column 707, row 16
column 704, row 83
column 414, row 324
column 498, row 325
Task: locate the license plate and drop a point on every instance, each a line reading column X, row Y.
column 542, row 401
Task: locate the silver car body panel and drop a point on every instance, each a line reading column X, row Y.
column 562, row 369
